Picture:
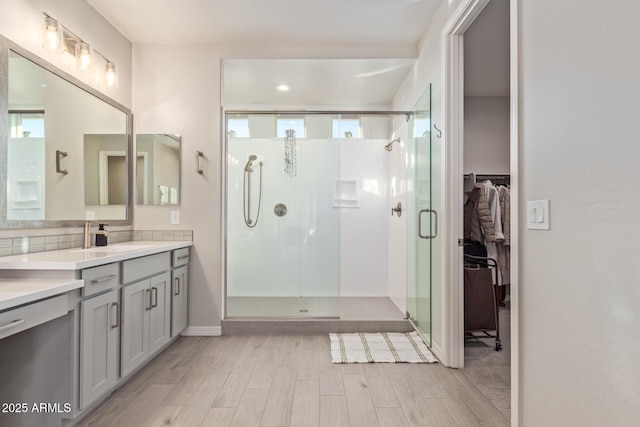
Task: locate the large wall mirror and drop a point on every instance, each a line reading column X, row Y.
column 65, row 148
column 157, row 169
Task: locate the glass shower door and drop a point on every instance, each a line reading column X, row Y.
column 282, row 231
column 422, row 239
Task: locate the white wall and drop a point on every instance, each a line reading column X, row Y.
column 486, row 134
column 579, row 290
column 397, row 242
column 364, row 231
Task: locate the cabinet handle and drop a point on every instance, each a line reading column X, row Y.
column 11, row 325
column 117, row 306
column 150, row 304
column 154, row 291
column 59, row 155
column 104, row 279
column 183, row 257
column 178, row 286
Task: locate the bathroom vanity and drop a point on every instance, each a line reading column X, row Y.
column 76, row 323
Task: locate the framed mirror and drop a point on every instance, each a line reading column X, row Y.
column 65, row 148
column 158, row 169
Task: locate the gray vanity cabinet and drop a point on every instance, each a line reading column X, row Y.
column 179, row 300
column 146, row 309
column 160, row 313
column 100, row 346
column 179, row 291
column 136, row 303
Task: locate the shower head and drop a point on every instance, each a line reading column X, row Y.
column 247, row 167
column 389, row 146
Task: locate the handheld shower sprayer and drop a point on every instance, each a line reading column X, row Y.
column 248, row 167
column 389, row 146
column 246, row 192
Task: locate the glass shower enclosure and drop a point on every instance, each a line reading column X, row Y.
column 423, row 199
column 283, row 231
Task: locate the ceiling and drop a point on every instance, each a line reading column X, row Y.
column 321, row 82
column 486, row 52
column 330, row 82
column 370, row 22
column 334, row 82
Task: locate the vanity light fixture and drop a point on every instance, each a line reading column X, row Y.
column 52, row 38
column 110, row 75
column 58, row 38
column 84, row 57
column 282, row 88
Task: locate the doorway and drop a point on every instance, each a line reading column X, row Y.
column 457, row 48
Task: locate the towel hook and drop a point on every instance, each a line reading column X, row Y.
column 198, row 155
column 59, row 155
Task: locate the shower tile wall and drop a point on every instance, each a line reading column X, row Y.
column 293, row 255
column 364, row 231
column 316, row 246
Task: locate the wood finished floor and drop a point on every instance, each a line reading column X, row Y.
column 289, row 380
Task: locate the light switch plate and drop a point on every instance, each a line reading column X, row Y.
column 538, row 215
column 175, row 217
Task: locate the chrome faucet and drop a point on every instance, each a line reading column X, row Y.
column 88, row 233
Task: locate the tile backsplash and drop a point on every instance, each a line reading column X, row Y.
column 24, row 245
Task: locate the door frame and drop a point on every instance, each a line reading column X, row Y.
column 103, row 172
column 453, row 139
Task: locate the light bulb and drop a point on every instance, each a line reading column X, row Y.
column 84, row 57
column 52, row 35
column 110, row 75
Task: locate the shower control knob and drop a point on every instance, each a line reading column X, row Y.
column 397, row 210
column 280, row 209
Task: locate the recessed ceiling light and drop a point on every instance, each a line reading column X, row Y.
column 282, row 88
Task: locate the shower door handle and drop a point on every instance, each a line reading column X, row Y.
column 427, row 236
column 435, row 225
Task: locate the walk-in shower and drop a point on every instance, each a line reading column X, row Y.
column 310, row 227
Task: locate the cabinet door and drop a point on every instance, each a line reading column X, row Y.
column 179, row 300
column 136, row 304
column 160, row 314
column 99, row 346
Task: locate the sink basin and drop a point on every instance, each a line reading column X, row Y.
column 113, row 249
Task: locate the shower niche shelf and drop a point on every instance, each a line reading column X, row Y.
column 346, row 194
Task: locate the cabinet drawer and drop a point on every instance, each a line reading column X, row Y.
column 101, row 278
column 180, row 257
column 28, row 316
column 139, row 268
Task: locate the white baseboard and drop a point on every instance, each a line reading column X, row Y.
column 202, row 331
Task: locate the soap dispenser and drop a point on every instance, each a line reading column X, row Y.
column 101, row 236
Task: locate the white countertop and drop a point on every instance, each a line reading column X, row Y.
column 15, row 292
column 77, row 258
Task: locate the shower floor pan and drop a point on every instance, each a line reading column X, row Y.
column 283, row 315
